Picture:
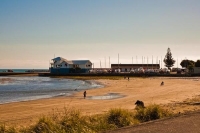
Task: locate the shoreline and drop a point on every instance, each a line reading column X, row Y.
column 68, row 92
column 148, row 90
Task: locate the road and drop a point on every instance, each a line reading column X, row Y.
column 187, row 123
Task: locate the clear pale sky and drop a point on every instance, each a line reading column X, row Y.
column 33, row 31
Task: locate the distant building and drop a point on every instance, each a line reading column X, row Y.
column 128, row 67
column 196, row 69
column 63, row 66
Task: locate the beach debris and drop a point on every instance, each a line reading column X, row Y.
column 139, row 104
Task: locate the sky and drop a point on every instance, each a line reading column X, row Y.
column 32, row 32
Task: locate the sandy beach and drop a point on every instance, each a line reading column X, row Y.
column 177, row 94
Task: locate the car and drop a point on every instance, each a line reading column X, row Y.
column 9, row 70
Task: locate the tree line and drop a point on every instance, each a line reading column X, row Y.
column 169, row 61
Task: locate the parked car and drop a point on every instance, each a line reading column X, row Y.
column 164, row 71
column 132, row 71
column 9, row 70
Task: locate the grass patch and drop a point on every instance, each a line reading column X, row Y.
column 72, row 121
column 120, row 118
column 151, row 112
column 4, row 129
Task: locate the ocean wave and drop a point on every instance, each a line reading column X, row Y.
column 31, row 88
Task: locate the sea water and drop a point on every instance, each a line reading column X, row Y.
column 13, row 89
column 24, row 70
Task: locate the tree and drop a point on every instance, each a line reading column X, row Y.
column 186, row 63
column 190, row 68
column 168, row 60
column 197, row 64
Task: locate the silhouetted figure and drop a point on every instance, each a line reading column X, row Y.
column 162, row 83
column 84, row 94
column 139, row 103
column 128, row 78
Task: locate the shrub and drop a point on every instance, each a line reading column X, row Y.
column 151, row 112
column 4, row 129
column 46, row 125
column 120, row 117
column 99, row 123
column 73, row 122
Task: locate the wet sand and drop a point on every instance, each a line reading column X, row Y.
column 170, row 95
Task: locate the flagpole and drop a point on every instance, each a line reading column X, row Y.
column 142, row 61
column 152, row 61
column 132, row 62
column 177, row 63
column 156, row 61
column 118, row 61
column 109, row 62
column 105, row 62
column 136, row 60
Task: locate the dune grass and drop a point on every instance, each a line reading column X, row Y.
column 152, row 112
column 72, row 121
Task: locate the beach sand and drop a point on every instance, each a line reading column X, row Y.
column 176, row 94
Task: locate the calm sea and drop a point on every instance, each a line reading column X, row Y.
column 13, row 89
column 23, row 70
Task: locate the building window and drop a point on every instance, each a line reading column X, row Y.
column 75, row 66
column 58, row 65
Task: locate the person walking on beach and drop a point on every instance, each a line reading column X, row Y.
column 84, row 94
column 128, row 78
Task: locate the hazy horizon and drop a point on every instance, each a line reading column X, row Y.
column 34, row 32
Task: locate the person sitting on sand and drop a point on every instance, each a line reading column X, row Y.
column 139, row 104
column 162, row 83
column 84, row 94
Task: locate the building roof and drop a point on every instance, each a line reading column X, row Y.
column 60, row 60
column 80, row 61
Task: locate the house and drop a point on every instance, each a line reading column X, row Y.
column 62, row 66
column 129, row 67
column 196, row 70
